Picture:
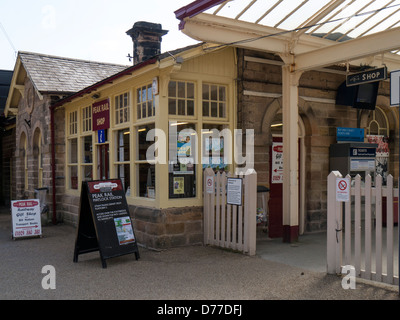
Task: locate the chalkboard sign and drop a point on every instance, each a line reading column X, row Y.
column 104, row 221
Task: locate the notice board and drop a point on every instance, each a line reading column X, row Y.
column 104, row 221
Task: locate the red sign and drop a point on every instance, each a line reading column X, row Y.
column 101, row 115
column 25, row 204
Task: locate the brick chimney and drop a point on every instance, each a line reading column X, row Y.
column 146, row 37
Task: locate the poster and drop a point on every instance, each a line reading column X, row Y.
column 124, row 229
column 234, row 191
column 184, row 144
column 179, row 185
column 26, row 218
column 185, row 156
column 277, row 162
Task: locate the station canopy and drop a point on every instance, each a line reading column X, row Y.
column 313, row 33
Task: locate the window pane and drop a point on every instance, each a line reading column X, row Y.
column 206, row 111
column 143, row 144
column 87, row 149
column 222, row 94
column 214, row 93
column 149, row 108
column 214, row 109
column 222, row 110
column 139, row 113
column 149, row 93
column 182, row 152
column 87, row 173
column 172, row 89
column 73, row 170
column 123, row 171
column 144, row 115
column 123, row 145
column 138, row 95
column 190, row 108
column 181, row 90
column 171, row 106
column 73, row 150
column 190, row 90
column 206, row 92
column 146, row 183
column 181, row 107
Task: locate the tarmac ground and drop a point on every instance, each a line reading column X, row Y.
column 194, row 273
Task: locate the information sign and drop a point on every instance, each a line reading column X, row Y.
column 210, row 184
column 234, row 191
column 277, row 162
column 26, row 218
column 104, row 221
column 343, row 189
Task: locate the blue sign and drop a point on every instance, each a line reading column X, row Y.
column 101, row 134
column 350, row 134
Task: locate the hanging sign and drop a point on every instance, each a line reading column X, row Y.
column 101, row 115
column 104, row 221
column 366, row 77
column 26, row 218
column 343, row 189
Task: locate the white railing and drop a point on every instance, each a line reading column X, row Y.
column 226, row 225
column 361, row 240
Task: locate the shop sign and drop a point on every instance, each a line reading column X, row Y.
column 26, row 218
column 366, row 77
column 101, row 115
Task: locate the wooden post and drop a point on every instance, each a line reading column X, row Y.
column 333, row 240
column 251, row 210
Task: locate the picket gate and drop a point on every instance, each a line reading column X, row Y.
column 355, row 232
column 226, row 225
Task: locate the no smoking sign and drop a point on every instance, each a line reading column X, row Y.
column 343, row 189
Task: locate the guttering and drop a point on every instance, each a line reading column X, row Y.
column 61, row 102
column 193, row 9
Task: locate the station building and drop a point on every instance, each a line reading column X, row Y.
column 71, row 128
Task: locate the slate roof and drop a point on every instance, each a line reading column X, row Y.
column 58, row 74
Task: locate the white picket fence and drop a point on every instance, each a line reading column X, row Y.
column 226, row 225
column 360, row 240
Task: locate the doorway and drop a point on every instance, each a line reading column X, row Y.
column 275, row 203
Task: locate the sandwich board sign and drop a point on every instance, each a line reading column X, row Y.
column 104, row 221
column 26, row 220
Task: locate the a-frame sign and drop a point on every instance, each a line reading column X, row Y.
column 104, row 221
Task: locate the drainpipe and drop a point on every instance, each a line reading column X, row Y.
column 53, row 162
